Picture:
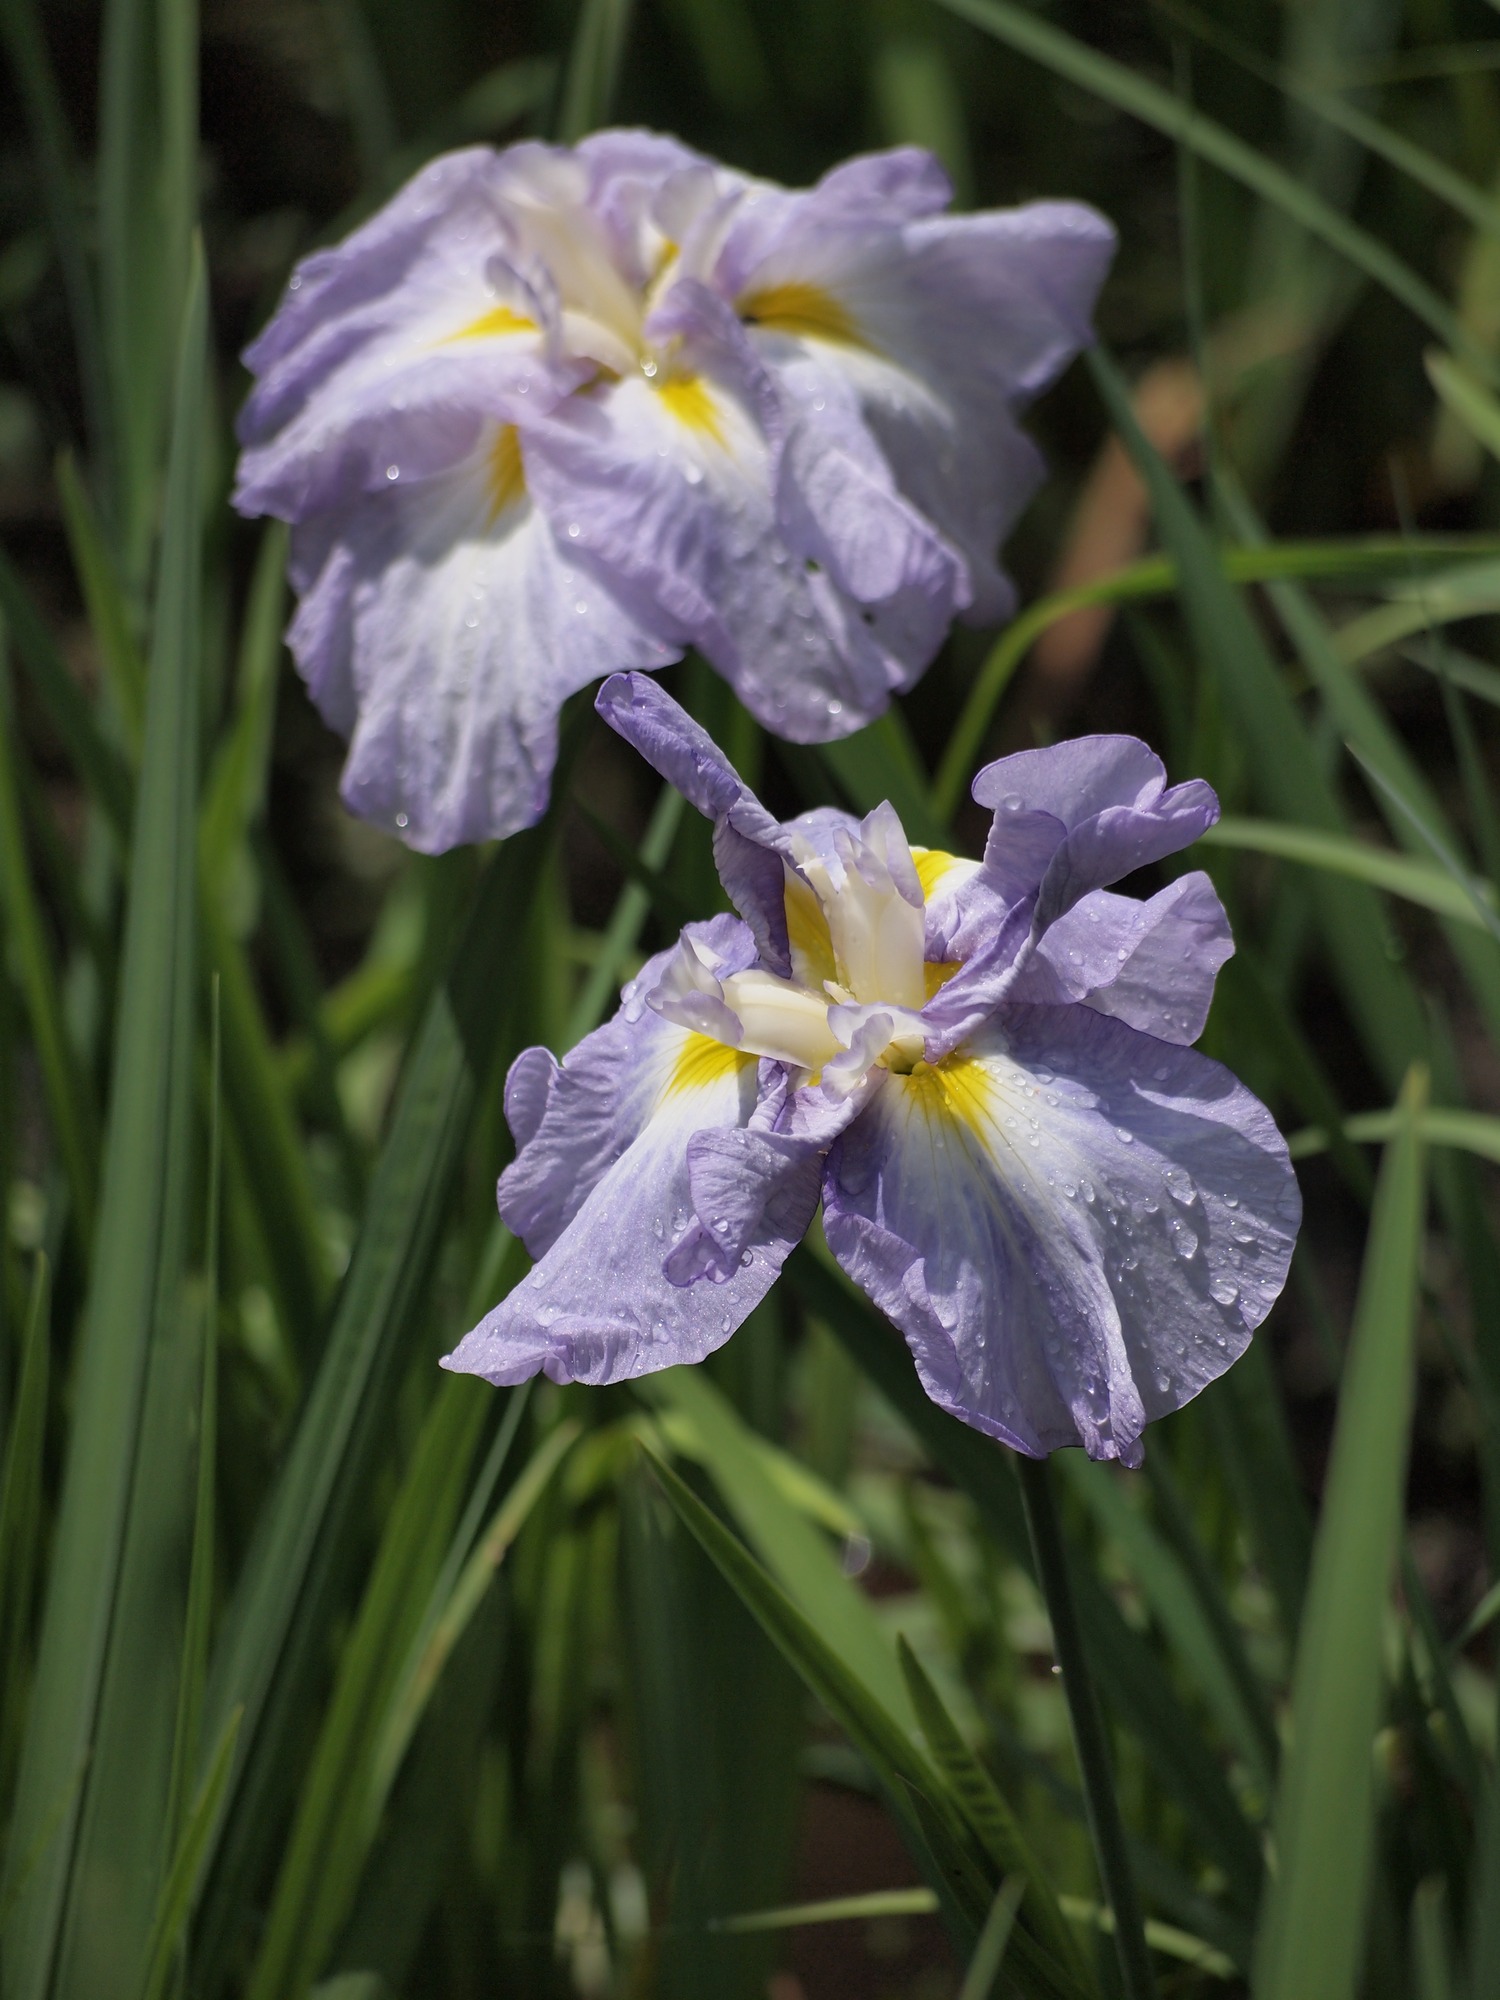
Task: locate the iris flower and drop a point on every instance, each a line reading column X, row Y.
column 555, row 412
column 982, row 1070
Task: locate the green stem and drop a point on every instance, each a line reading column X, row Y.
column 1100, row 1802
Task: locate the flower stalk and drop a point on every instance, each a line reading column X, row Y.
column 1101, row 1805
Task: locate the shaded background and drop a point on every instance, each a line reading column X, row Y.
column 615, row 1757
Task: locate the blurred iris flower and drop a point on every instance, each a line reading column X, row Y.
column 981, row 1068
column 555, row 412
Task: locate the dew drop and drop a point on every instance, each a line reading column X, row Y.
column 393, row 472
column 835, row 708
column 746, row 1259
column 1163, row 1382
column 726, row 1324
column 296, row 284
column 1125, row 1138
column 648, row 369
column 1241, row 1234
column 580, row 607
column 1231, row 1201
column 1012, row 802
column 693, row 474
column 1180, row 1185
column 573, row 531
column 1184, row 1240
column 818, row 403
column 1070, row 1190
column 658, row 1228
column 546, row 1314
column 402, row 820
column 1087, row 1188
column 1225, row 1290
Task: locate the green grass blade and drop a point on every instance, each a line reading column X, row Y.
column 1279, row 751
column 1420, row 882
column 21, row 27
column 1129, row 1671
column 630, row 913
column 96, row 761
column 174, row 1910
column 881, row 762
column 795, row 1552
column 1468, row 399
column 989, row 1953
column 439, row 1638
column 835, row 1910
column 988, row 1814
column 1472, row 591
column 234, row 792
column 104, row 600
column 1310, row 1938
column 1152, row 577
column 1161, row 109
column 1474, row 1132
column 913, row 1788
column 594, row 68
column 134, row 1288
column 268, row 1647
column 196, row 1622
column 21, row 1519
column 334, row 1822
column 75, row 1121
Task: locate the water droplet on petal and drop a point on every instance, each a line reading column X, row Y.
column 1163, row 1382
column 580, row 607
column 658, row 1228
column 402, row 820
column 746, row 1258
column 1012, row 802
column 393, row 472
column 1184, row 1240
column 573, row 531
column 1180, row 1185
column 648, row 369
column 1225, row 1290
column 1125, row 1138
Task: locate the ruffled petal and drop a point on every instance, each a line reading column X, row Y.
column 941, row 325
column 444, row 637
column 390, row 352
column 603, row 1191
column 1076, row 1226
column 1152, row 964
column 672, row 484
column 1079, row 815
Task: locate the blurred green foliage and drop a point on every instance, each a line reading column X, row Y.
column 323, row 1672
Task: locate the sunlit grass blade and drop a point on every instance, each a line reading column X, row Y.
column 594, row 67
column 81, row 1705
column 791, row 1548
column 1310, row 1938
column 275, row 1623
column 1285, row 766
column 1469, row 400
column 1476, row 1132
column 1420, row 882
column 1166, row 113
column 174, row 1910
column 454, row 1608
column 1472, row 591
column 75, row 1119
column 1152, row 577
column 873, row 1903
column 21, row 1519
column 989, row 1953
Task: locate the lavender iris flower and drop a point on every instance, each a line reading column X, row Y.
column 554, row 412
column 983, row 1071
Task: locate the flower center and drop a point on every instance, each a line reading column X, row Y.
column 856, row 919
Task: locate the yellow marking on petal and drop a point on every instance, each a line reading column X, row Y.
column 932, row 865
column 499, row 319
column 505, row 475
column 813, row 961
column 691, row 404
column 938, row 972
column 703, row 1061
column 957, row 1088
column 801, row 309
